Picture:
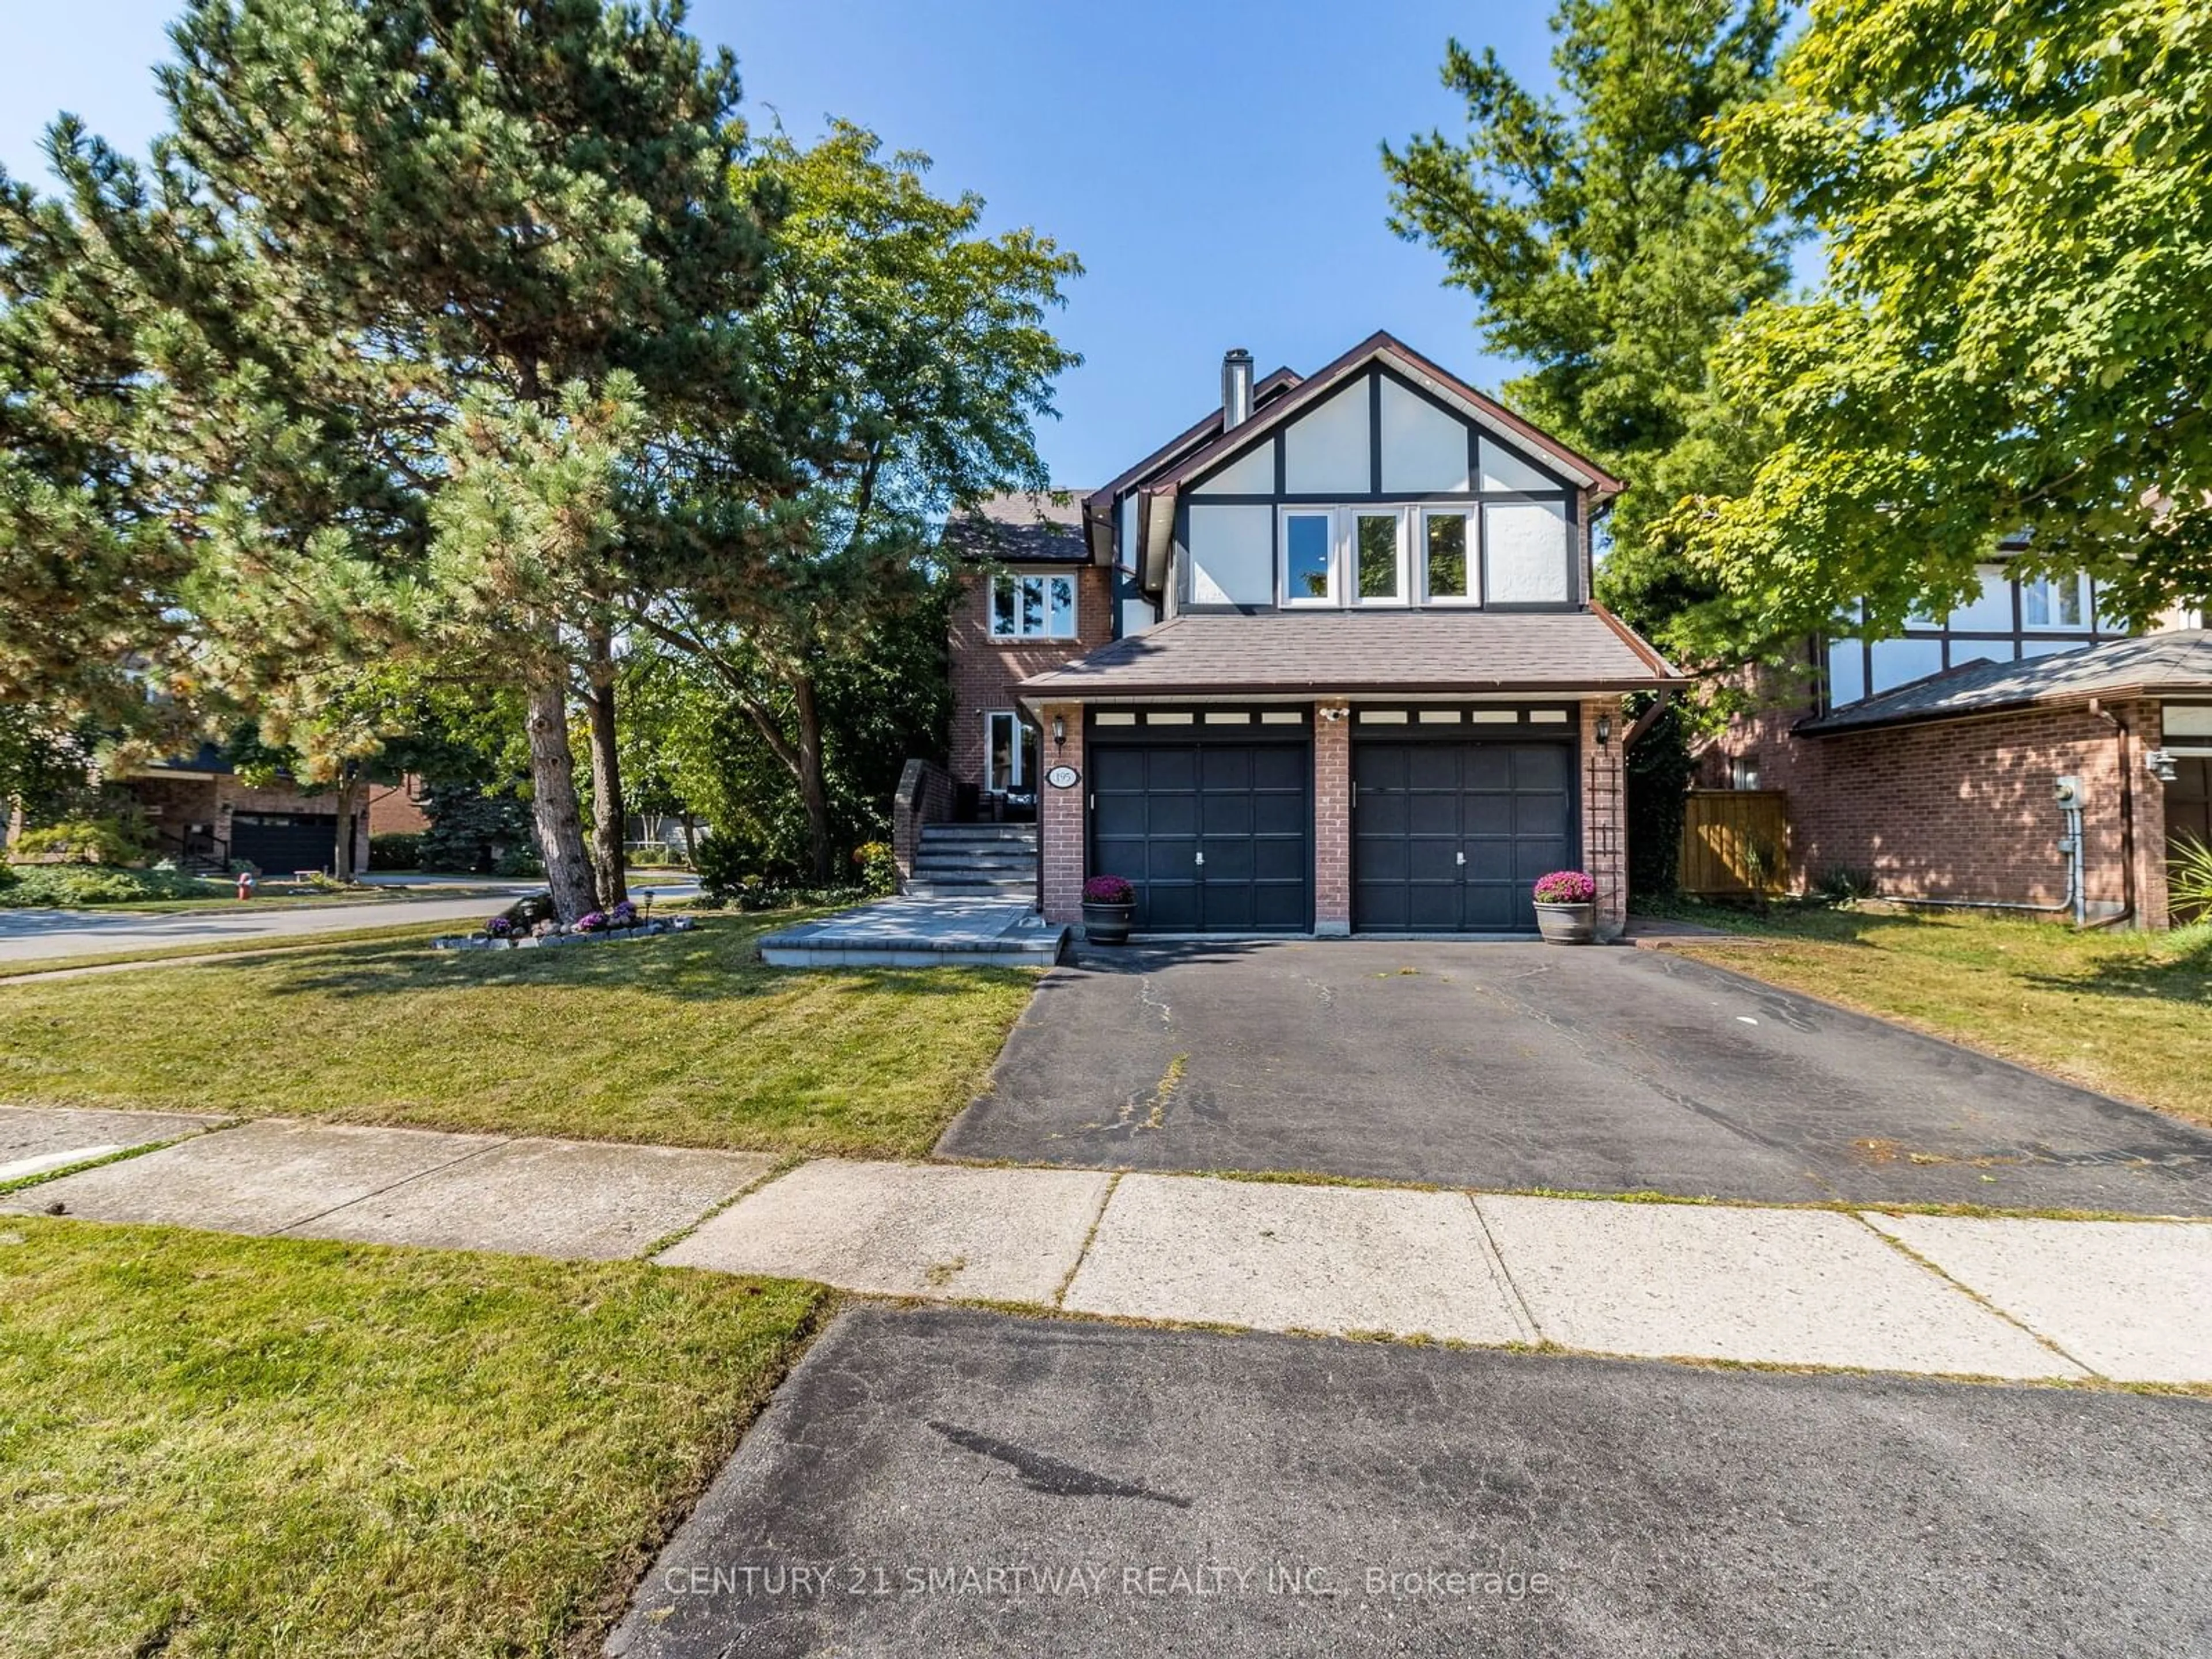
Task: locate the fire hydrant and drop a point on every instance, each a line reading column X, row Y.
column 245, row 884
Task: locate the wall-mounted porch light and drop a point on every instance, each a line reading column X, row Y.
column 1059, row 731
column 1604, row 730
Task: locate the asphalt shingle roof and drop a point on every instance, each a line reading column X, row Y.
column 1401, row 652
column 1025, row 527
column 2149, row 664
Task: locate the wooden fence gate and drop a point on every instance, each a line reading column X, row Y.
column 1734, row 841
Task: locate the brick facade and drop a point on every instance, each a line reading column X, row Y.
column 1332, row 746
column 1062, row 842
column 174, row 801
column 1962, row 809
column 394, row 809
column 1605, row 819
column 985, row 671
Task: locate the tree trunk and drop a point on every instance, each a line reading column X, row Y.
column 607, row 806
column 811, row 787
column 342, row 851
column 553, row 803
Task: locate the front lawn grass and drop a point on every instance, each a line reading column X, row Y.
column 259, row 944
column 2126, row 1014
column 686, row 1039
column 252, row 1447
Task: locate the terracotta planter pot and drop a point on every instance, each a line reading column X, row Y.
column 1567, row 924
column 1106, row 924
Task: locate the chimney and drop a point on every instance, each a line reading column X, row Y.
column 1236, row 388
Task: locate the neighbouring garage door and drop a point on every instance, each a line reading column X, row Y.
column 283, row 840
column 1216, row 836
column 1449, row 836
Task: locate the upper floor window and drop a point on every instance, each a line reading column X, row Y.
column 2053, row 602
column 1309, row 558
column 1512, row 552
column 1033, row 607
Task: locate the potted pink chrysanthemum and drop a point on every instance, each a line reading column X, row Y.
column 1107, row 903
column 1567, row 905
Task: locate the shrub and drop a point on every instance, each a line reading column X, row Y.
column 72, row 886
column 1107, row 890
column 878, row 866
column 116, row 839
column 2189, row 878
column 396, row 849
column 653, row 855
column 1840, row 883
column 520, row 859
column 1659, row 769
column 719, row 860
column 1565, row 887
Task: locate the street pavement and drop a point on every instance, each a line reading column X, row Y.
column 28, row 934
column 954, row 1481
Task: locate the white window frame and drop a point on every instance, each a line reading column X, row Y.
column 1470, row 516
column 1349, row 531
column 1018, row 784
column 2084, row 614
column 1018, row 580
column 1333, row 599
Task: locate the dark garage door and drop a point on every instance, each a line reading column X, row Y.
column 283, row 840
column 1214, row 835
column 1447, row 837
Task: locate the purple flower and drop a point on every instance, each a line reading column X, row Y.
column 1565, row 887
column 591, row 922
column 1107, row 890
column 623, row 914
column 498, row 927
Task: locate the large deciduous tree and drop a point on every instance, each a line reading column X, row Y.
column 903, row 359
column 2013, row 338
column 1602, row 246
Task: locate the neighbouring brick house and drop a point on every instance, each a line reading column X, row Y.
column 1325, row 662
column 1926, row 766
column 203, row 815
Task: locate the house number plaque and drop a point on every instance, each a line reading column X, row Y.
column 1063, row 777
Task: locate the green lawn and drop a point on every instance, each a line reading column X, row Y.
column 251, row 1446
column 685, row 1039
column 2128, row 1014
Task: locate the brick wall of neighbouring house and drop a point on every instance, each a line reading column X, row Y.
column 1605, row 818
column 1962, row 809
column 1332, row 823
column 985, row 671
column 1062, row 845
column 393, row 810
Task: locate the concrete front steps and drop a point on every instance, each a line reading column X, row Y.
column 977, row 860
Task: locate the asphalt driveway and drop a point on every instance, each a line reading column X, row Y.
column 1512, row 1067
column 958, row 1481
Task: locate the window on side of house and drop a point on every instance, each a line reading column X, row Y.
column 1447, row 569
column 1033, row 607
column 1846, row 672
column 1309, row 558
column 1010, row 752
column 1743, row 772
column 2051, row 602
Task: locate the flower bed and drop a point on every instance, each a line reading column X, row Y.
column 595, row 929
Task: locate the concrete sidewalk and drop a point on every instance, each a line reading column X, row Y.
column 1952, row 1295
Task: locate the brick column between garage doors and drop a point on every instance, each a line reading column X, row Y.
column 1062, row 844
column 1605, row 816
column 1332, row 820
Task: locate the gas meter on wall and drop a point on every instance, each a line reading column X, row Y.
column 2067, row 792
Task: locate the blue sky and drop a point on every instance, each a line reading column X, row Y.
column 1214, row 165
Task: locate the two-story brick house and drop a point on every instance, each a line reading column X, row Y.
column 1326, row 662
column 1925, row 764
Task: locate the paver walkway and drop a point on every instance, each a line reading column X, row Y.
column 2014, row 1297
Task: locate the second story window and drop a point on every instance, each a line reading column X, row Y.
column 1033, row 607
column 1309, row 559
column 1378, row 555
column 1448, row 572
column 2052, row 602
